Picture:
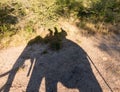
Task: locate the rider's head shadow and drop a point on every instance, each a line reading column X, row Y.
column 55, row 38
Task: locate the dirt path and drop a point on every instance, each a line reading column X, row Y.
column 66, row 70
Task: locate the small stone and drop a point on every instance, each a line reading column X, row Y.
column 105, row 58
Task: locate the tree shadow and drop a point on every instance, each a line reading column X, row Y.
column 6, row 17
column 110, row 45
column 61, row 60
column 7, row 20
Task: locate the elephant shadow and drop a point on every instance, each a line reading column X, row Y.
column 62, row 61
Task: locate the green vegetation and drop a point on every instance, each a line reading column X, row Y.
column 94, row 15
column 24, row 19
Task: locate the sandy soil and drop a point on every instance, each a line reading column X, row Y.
column 83, row 64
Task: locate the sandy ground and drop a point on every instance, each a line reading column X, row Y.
column 83, row 64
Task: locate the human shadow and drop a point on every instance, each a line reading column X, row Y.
column 61, row 60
